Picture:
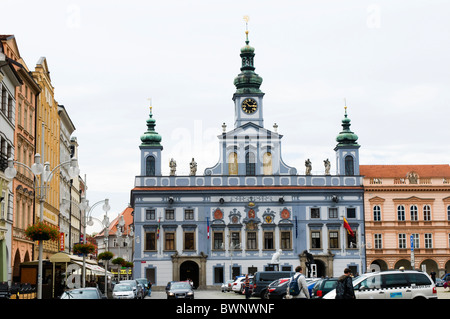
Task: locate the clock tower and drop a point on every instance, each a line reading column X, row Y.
column 248, row 98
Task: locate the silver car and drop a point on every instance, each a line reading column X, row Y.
column 392, row 284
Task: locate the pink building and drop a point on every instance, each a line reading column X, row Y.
column 407, row 204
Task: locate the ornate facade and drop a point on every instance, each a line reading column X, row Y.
column 234, row 217
column 407, row 217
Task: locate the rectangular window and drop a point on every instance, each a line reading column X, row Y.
column 334, row 239
column 218, row 240
column 333, row 212
column 428, row 240
column 251, row 240
column 170, row 214
column 416, row 241
column 315, row 240
column 352, row 240
column 189, row 241
column 402, row 241
column 189, row 214
column 169, row 240
column 427, row 213
column 400, row 213
column 235, row 240
column 286, row 242
column 315, row 212
column 351, row 212
column 378, row 239
column 150, row 214
column 268, row 240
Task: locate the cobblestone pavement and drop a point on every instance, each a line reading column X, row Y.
column 217, row 294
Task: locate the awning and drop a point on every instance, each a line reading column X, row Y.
column 63, row 257
column 96, row 269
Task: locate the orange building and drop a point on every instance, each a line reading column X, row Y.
column 24, row 144
column 407, row 205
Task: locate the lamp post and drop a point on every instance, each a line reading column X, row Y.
column 89, row 210
column 44, row 174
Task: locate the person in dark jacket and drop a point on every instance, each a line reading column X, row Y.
column 344, row 287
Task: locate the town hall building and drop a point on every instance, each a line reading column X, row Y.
column 251, row 211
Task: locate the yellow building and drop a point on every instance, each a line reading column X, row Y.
column 47, row 145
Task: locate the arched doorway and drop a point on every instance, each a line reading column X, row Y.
column 403, row 263
column 378, row 265
column 429, row 265
column 189, row 270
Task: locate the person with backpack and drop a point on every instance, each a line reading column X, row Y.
column 344, row 286
column 297, row 287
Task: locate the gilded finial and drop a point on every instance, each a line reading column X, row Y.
column 246, row 19
column 345, row 106
column 150, row 99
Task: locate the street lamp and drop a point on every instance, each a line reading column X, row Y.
column 44, row 174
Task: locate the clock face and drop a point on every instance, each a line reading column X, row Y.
column 249, row 105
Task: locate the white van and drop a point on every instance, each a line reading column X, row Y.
column 392, row 284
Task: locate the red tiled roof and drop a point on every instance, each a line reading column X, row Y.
column 393, row 171
column 128, row 218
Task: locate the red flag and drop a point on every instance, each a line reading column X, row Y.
column 157, row 231
column 349, row 229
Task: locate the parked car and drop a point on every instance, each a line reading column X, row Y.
column 137, row 288
column 322, row 287
column 278, row 288
column 83, row 293
column 392, row 284
column 227, row 285
column 439, row 282
column 180, row 289
column 262, row 279
column 238, row 285
column 123, row 291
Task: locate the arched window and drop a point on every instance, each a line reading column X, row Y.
column 150, row 166
column 267, row 164
column 250, row 167
column 376, row 213
column 413, row 210
column 232, row 164
column 349, row 166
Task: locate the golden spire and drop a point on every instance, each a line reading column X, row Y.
column 246, row 19
column 150, row 99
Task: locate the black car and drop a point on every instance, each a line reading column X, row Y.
column 83, row 293
column 277, row 289
column 262, row 279
column 180, row 289
column 323, row 286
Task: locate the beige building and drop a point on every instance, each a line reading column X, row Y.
column 48, row 146
column 404, row 205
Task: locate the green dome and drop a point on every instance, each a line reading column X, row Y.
column 346, row 137
column 247, row 81
column 151, row 138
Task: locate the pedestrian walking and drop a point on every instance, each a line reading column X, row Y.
column 247, row 287
column 344, row 286
column 297, row 287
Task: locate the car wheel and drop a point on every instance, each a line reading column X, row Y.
column 265, row 294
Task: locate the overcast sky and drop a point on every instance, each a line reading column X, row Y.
column 389, row 59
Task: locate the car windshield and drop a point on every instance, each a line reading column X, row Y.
column 129, row 282
column 80, row 294
column 181, row 285
column 122, row 287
